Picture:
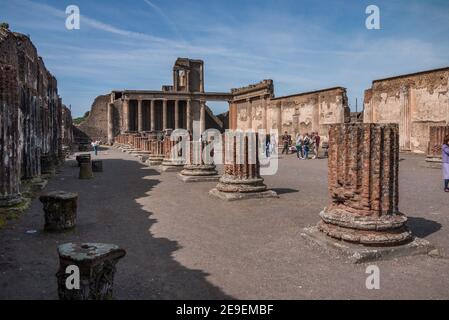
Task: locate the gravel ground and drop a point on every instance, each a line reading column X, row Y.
column 183, row 244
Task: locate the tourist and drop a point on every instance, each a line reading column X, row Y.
column 446, row 163
column 299, row 140
column 317, row 145
column 305, row 146
column 95, row 145
column 286, row 142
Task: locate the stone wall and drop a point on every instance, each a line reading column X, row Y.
column 254, row 107
column 415, row 101
column 95, row 126
column 31, row 117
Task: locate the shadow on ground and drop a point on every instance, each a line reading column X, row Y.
column 422, row 227
column 108, row 212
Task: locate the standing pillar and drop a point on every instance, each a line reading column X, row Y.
column 405, row 122
column 202, row 116
column 241, row 178
column 110, row 123
column 164, row 114
column 126, row 116
column 177, row 114
column 363, row 185
column 173, row 162
column 152, row 116
column 139, row 116
column 9, row 137
column 249, row 111
column 189, row 115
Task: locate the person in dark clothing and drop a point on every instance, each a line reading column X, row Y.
column 286, row 142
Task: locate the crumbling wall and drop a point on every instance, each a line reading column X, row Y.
column 416, row 102
column 31, row 113
column 95, row 126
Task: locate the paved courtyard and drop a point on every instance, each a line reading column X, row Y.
column 183, row 244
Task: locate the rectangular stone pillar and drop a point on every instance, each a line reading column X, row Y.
column 405, row 121
column 249, row 111
column 139, row 116
column 152, row 116
column 126, row 116
column 164, row 114
column 110, row 123
column 363, row 185
column 177, row 114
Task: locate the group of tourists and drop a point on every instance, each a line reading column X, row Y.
column 446, row 163
column 304, row 145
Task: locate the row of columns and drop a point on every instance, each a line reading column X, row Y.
column 126, row 115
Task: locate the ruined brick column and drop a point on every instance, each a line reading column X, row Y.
column 197, row 168
column 434, row 149
column 172, row 162
column 156, row 153
column 9, row 137
column 363, row 185
column 96, row 263
column 241, row 178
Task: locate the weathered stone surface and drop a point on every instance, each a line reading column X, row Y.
column 197, row 168
column 85, row 170
column 83, row 157
column 415, row 101
column 242, row 180
column 32, row 121
column 60, row 210
column 363, row 185
column 436, row 140
column 172, row 161
column 97, row 266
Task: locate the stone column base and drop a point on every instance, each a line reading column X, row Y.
column 169, row 165
column 154, row 160
column 60, row 210
column 434, row 163
column 387, row 230
column 233, row 196
column 357, row 253
column 10, row 200
column 85, row 171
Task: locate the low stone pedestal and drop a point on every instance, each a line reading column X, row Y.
column 85, row 157
column 97, row 165
column 199, row 173
column 97, row 266
column 170, row 165
column 357, row 253
column 154, row 160
column 60, row 210
column 85, row 171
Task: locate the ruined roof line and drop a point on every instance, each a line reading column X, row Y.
column 412, row 74
column 309, row 92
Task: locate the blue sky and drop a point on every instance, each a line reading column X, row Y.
column 301, row 45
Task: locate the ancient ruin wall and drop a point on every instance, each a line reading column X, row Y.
column 31, row 117
column 415, row 102
column 95, row 126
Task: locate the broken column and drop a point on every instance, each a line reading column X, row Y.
column 173, row 161
column 434, row 150
column 363, row 185
column 96, row 263
column 199, row 164
column 85, row 168
column 60, row 210
column 156, row 155
column 9, row 138
column 241, row 178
